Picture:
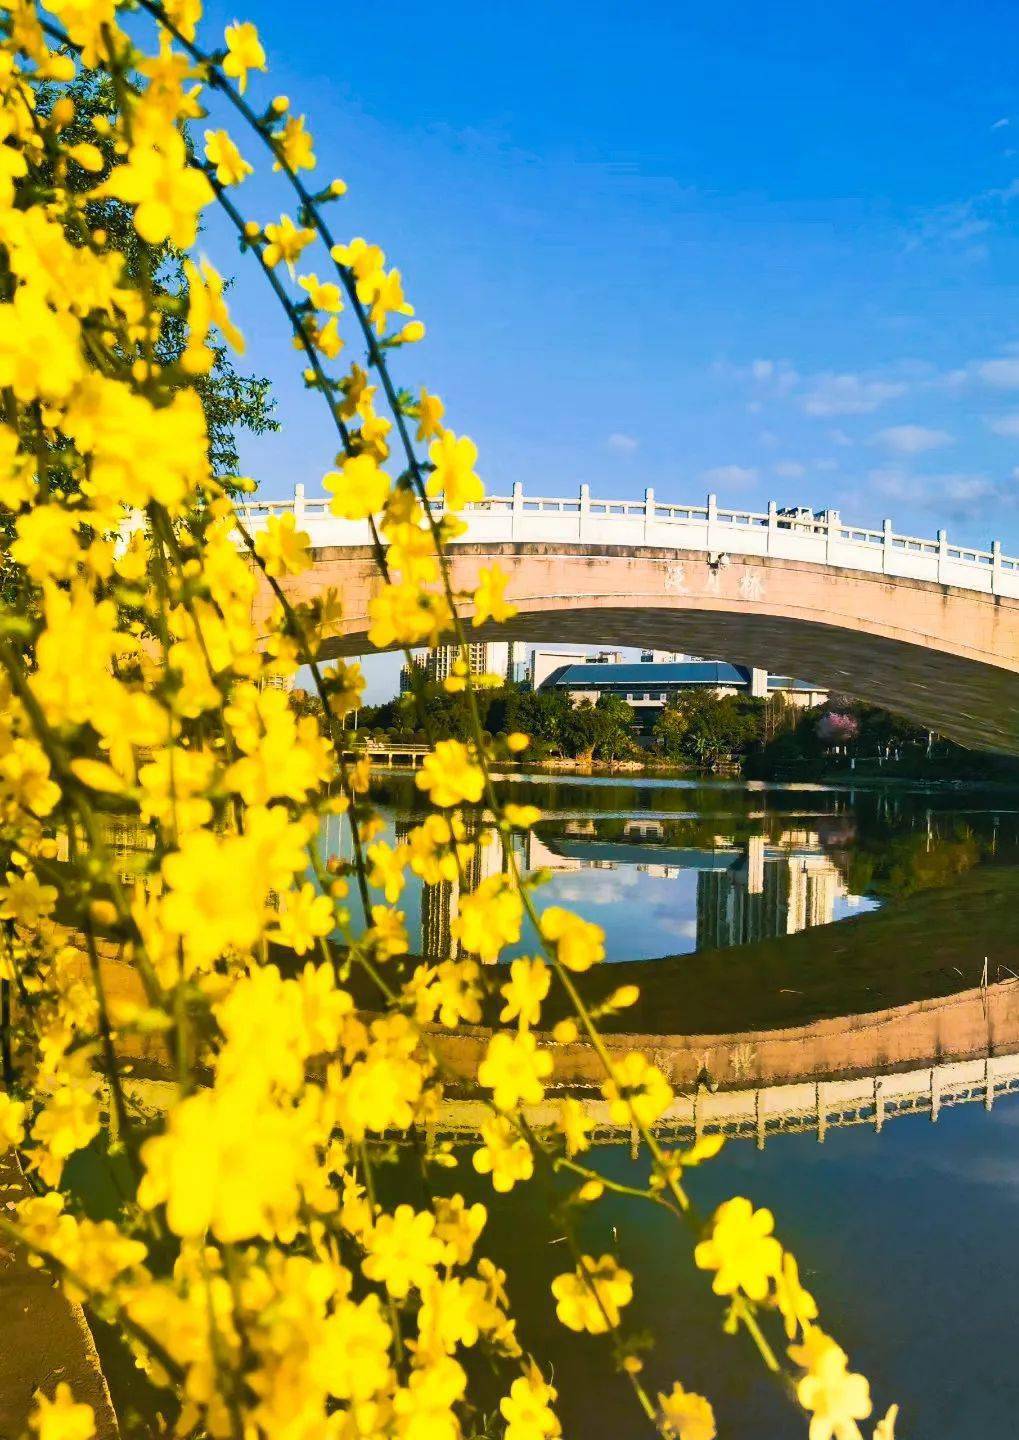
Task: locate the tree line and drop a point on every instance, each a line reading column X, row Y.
column 695, row 729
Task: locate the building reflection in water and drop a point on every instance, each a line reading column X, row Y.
column 756, row 890
column 440, row 904
column 766, row 895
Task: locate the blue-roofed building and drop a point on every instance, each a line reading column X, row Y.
column 648, row 685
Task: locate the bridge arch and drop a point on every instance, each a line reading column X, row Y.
column 925, row 629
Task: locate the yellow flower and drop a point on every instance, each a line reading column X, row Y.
column 454, row 460
column 591, row 1297
column 526, row 988
column 504, row 1154
column 490, row 918
column 513, row 1069
column 798, row 1306
column 489, row 599
column 386, row 873
column 403, row 1251
column 637, row 1090
column 244, row 52
column 230, row 1162
column 359, row 489
column 62, row 1418
column 66, row 1123
column 687, row 1416
column 215, row 895
column 295, row 145
column 47, row 543
column 323, row 294
column 387, row 299
column 576, row 1126
column 520, row 817
column 206, row 308
column 40, row 351
column 286, row 242
column 24, row 900
column 885, row 1427
column 353, row 1353
column 835, row 1398
column 405, row 614
column 450, row 777
column 430, row 411
column 165, row 190
column 458, row 1225
column 25, row 781
column 282, row 548
column 305, row 916
column 527, row 1409
column 12, row 1120
column 365, row 263
column 741, row 1249
column 221, row 152
column 387, row 935
column 579, row 943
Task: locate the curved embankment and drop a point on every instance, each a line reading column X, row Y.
column 845, row 1023
column 926, row 946
column 45, row 1339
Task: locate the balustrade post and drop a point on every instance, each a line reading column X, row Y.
column 772, row 524
column 886, row 556
column 516, row 522
column 942, row 555
column 833, row 523
column 995, row 567
column 298, row 505
column 585, row 512
column 649, row 510
column 712, row 520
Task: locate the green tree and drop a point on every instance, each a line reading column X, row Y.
column 708, row 729
column 231, row 401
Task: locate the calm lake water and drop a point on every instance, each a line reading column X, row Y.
column 668, row 867
column 904, row 1234
column 744, row 908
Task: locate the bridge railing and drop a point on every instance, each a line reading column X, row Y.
column 794, row 533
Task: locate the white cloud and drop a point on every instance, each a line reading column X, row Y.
column 788, row 469
column 1005, row 425
column 912, row 439
column 848, row 394
column 771, row 377
column 1000, row 124
column 729, row 475
column 839, row 437
column 624, row 444
column 1000, row 374
column 955, row 495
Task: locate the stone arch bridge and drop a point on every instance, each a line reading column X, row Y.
column 925, row 628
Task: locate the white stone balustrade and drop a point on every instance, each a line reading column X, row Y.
column 823, row 539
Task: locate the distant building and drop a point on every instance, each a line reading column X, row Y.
column 545, row 662
column 649, row 685
column 485, row 657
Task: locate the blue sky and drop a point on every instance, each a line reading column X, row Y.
column 770, row 251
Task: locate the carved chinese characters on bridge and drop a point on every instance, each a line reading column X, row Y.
column 751, row 585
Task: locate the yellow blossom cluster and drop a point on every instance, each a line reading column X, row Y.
column 150, row 634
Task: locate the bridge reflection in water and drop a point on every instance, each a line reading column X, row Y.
column 853, row 1069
